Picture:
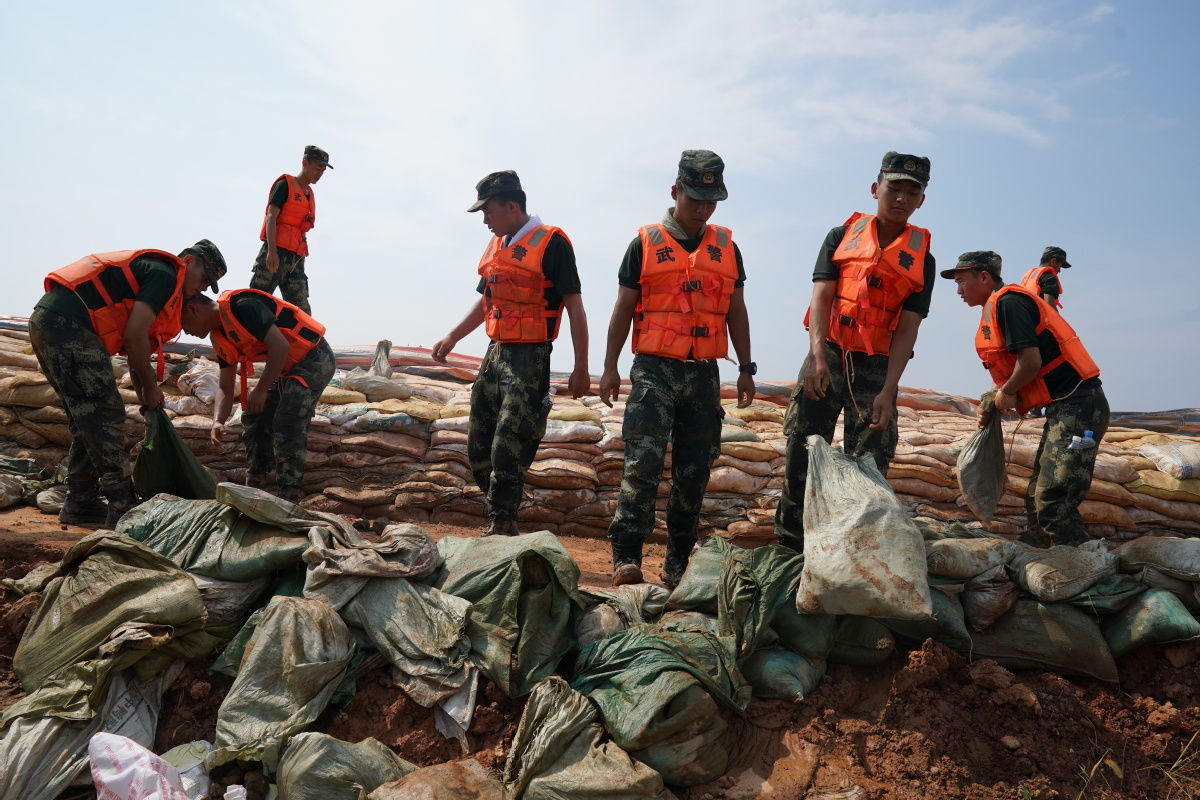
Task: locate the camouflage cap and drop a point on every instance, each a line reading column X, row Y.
column 1055, row 252
column 214, row 262
column 702, row 175
column 316, row 155
column 904, row 167
column 494, row 184
column 985, row 260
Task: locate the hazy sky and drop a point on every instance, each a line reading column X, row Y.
column 152, row 125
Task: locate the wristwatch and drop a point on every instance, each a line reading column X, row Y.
column 750, row 368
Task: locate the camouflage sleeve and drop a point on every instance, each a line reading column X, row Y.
column 156, row 279
column 825, row 269
column 630, row 273
column 919, row 302
column 1017, row 316
column 559, row 266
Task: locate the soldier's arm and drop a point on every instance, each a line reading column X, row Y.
column 277, row 351
column 900, row 353
column 738, row 320
column 223, row 405
column 618, row 332
column 581, row 378
column 137, row 346
column 272, row 254
column 470, row 322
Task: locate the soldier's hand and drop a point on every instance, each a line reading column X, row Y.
column 580, row 382
column 1005, row 401
column 746, row 390
column 151, row 397
column 442, row 348
column 272, row 260
column 610, row 386
column 257, row 400
column 214, row 435
column 882, row 411
column 815, row 377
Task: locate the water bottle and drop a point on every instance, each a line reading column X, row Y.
column 1085, row 442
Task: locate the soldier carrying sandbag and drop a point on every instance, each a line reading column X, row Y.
column 127, row 301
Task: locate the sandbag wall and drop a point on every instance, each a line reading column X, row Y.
column 394, row 445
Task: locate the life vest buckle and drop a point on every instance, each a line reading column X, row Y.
column 874, row 281
column 495, row 313
column 700, row 330
column 691, row 286
column 846, row 320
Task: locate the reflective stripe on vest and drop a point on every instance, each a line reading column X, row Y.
column 236, row 346
column 684, row 298
column 873, row 284
column 110, row 319
column 514, row 291
column 990, row 344
column 1031, row 282
column 295, row 219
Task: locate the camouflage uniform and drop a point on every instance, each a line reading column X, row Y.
column 1061, row 477
column 289, row 278
column 675, row 402
column 78, row 367
column 277, row 437
column 509, row 404
column 853, row 386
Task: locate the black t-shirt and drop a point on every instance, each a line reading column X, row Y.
column 826, row 270
column 156, row 283
column 558, row 266
column 630, row 273
column 1048, row 284
column 1018, row 317
column 256, row 313
column 279, row 193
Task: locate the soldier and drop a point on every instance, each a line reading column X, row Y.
column 291, row 214
column 1036, row 359
column 246, row 325
column 681, row 288
column 107, row 303
column 871, row 289
column 1043, row 279
column 527, row 276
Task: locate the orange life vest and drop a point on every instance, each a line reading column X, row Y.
column 110, row 277
column 514, row 292
column 296, row 218
column 235, row 345
column 989, row 343
column 873, row 284
column 684, row 296
column 1030, row 282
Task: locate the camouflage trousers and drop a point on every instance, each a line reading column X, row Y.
column 277, row 437
column 509, row 404
column 675, row 402
column 1061, row 477
column 79, row 369
column 289, row 277
column 853, row 385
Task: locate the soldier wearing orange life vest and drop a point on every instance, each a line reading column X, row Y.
column 681, row 291
column 1043, row 280
column 871, row 289
column 128, row 302
column 245, row 326
column 527, row 278
column 291, row 213
column 1036, row 359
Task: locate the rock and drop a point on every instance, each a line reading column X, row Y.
column 1018, row 695
column 1166, row 716
column 990, row 675
column 1182, row 655
column 1011, row 742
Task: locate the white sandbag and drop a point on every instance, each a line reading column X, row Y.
column 124, row 770
column 1176, row 458
column 1059, row 572
column 966, row 558
column 863, row 554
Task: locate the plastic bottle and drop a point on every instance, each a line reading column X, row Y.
column 1085, row 442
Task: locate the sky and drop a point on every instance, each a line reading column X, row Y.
column 1077, row 124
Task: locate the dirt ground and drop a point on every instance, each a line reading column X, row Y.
column 926, row 724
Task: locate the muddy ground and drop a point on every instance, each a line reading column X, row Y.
column 926, row 724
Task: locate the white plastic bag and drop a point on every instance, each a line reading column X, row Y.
column 124, row 770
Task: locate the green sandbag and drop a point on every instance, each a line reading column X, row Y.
column 808, row 635
column 775, row 673
column 948, row 626
column 316, row 766
column 1154, row 617
column 861, row 641
column 166, row 465
column 980, row 468
column 561, row 750
column 1053, row 636
column 1110, row 595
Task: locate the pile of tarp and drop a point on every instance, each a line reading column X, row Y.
column 389, row 441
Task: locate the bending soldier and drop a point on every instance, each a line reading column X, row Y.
column 1043, row 280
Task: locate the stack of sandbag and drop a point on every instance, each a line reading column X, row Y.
column 389, row 439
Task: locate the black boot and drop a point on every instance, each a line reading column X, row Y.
column 121, row 498
column 678, row 554
column 626, row 568
column 83, row 507
column 500, row 526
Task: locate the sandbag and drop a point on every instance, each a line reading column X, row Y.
column 561, row 750
column 861, row 641
column 947, row 626
column 1052, row 636
column 1109, row 595
column 618, row 608
column 1156, row 616
column 988, row 596
column 165, row 464
column 1178, row 459
column 863, row 554
column 12, row 489
column 967, row 557
column 1162, row 485
column 776, row 673
column 808, row 635
column 454, row 780
column 1179, row 558
column 1059, row 572
column 50, row 501
column 316, row 766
